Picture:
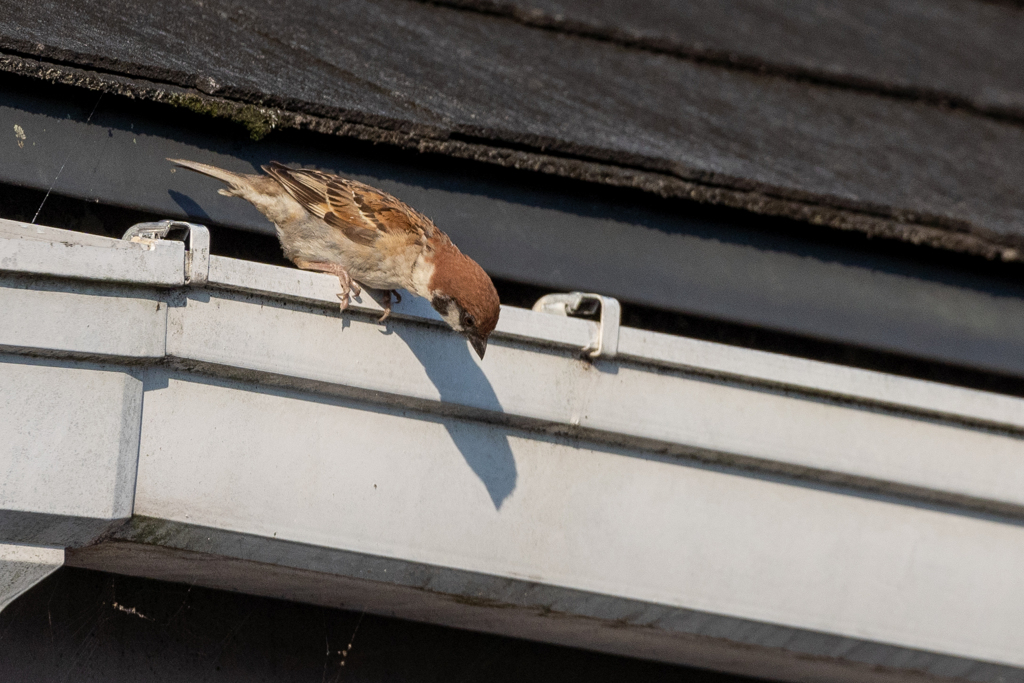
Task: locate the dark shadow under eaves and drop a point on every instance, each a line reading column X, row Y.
column 451, row 366
column 188, row 205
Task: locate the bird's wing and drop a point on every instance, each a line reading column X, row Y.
column 362, row 213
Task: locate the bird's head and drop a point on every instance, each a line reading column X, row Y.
column 465, row 297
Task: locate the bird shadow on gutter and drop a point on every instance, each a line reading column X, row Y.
column 458, row 378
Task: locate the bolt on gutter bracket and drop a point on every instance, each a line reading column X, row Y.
column 607, row 343
column 197, row 246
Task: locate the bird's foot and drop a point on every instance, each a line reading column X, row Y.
column 345, row 295
column 388, row 293
column 348, row 286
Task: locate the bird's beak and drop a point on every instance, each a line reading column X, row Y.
column 479, row 345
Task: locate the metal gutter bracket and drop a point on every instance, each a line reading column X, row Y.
column 197, row 254
column 606, row 345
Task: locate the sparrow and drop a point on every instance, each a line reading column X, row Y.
column 366, row 236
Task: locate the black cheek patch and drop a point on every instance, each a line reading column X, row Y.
column 441, row 303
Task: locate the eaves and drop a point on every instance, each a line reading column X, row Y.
column 527, row 98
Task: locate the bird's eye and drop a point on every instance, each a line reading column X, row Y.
column 469, row 321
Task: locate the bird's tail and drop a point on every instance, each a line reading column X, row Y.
column 238, row 183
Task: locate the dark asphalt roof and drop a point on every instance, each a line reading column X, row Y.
column 966, row 52
column 872, row 156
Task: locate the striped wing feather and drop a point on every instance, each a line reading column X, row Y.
column 362, row 213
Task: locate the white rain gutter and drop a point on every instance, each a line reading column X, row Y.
column 188, row 417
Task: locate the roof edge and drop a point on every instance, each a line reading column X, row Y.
column 260, row 115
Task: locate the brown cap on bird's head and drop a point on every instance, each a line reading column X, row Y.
column 464, row 296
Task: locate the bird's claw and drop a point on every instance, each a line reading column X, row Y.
column 387, row 303
column 348, row 289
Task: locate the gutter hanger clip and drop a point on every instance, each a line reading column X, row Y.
column 197, row 246
column 584, row 303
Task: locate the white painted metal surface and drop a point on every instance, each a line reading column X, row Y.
column 614, row 522
column 28, row 248
column 69, row 451
column 621, row 403
column 23, row 566
column 684, row 501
